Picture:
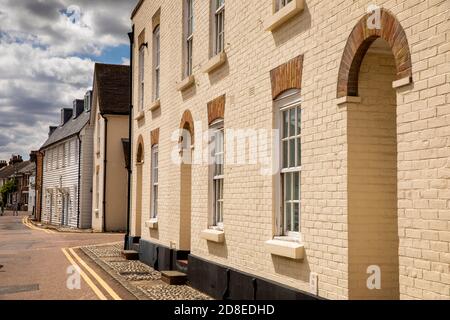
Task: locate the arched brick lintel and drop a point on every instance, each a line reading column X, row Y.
column 359, row 43
column 287, row 76
column 187, row 123
column 154, row 137
column 216, row 109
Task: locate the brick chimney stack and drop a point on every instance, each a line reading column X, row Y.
column 15, row 159
column 3, row 163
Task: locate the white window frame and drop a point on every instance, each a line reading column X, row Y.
column 141, row 76
column 280, row 4
column 290, row 100
column 216, row 181
column 155, row 182
column 189, row 37
column 219, row 26
column 156, row 63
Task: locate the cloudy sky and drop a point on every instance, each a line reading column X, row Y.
column 47, row 53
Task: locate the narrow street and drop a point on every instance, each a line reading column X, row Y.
column 36, row 264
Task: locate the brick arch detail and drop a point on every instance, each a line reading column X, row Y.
column 187, row 123
column 154, row 136
column 359, row 42
column 216, row 109
column 287, row 76
column 140, row 150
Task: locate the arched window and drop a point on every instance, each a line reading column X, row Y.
column 288, row 119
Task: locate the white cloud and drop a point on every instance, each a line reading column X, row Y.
column 43, row 64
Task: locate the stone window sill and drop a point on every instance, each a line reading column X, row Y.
column 285, row 247
column 152, row 224
column 348, row 99
column 140, row 116
column 212, row 235
column 215, row 62
column 402, row 82
column 186, row 83
column 284, row 14
column 155, row 105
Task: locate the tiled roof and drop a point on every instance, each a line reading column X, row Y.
column 10, row 170
column 71, row 128
column 29, row 168
column 112, row 85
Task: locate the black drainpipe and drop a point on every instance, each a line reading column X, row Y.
column 79, row 181
column 130, row 132
column 105, row 161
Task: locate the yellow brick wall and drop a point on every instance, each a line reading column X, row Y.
column 320, row 33
column 372, row 180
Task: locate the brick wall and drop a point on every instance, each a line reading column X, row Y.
column 320, row 34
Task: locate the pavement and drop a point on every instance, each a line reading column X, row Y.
column 138, row 278
column 44, row 264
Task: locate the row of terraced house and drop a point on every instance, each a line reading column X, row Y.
column 269, row 149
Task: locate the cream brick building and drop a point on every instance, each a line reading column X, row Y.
column 367, row 91
column 109, row 118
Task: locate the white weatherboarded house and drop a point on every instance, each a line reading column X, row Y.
column 67, row 169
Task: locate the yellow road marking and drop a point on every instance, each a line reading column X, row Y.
column 94, row 288
column 105, row 286
column 33, row 227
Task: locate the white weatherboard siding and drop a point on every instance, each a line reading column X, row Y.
column 59, row 178
column 87, row 152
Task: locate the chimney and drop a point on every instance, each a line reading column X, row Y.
column 3, row 164
column 66, row 114
column 15, row 159
column 51, row 129
column 88, row 101
column 33, row 156
column 78, row 107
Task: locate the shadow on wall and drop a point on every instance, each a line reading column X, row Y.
column 219, row 74
column 218, row 249
column 189, row 93
column 298, row 270
column 294, row 27
column 156, row 113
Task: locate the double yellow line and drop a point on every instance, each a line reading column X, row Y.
column 76, row 261
column 33, row 227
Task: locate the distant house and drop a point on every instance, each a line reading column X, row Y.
column 109, row 117
column 36, row 184
column 67, row 169
column 20, row 171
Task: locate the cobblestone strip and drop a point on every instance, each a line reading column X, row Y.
column 114, row 274
column 138, row 278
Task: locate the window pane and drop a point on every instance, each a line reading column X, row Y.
column 296, row 186
column 299, row 121
column 288, row 216
column 296, row 218
column 292, row 153
column 292, row 123
column 287, row 186
column 285, row 154
column 299, row 152
column 285, row 124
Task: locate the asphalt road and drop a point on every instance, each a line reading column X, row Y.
column 37, row 264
